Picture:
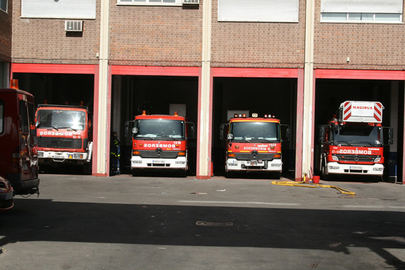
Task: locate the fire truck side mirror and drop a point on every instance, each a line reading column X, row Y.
column 134, row 130
column 222, row 129
column 190, row 130
column 230, row 136
column 388, row 135
column 322, row 137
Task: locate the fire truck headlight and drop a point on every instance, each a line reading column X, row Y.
column 231, row 155
column 377, row 159
column 78, row 156
column 40, row 154
column 335, row 158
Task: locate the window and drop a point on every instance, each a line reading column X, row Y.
column 258, row 10
column 3, row 5
column 72, row 9
column 24, row 117
column 150, row 2
column 1, row 117
column 362, row 11
column 361, row 17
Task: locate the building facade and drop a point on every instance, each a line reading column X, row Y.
column 296, row 59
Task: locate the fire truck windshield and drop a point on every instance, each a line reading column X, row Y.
column 357, row 135
column 159, row 129
column 61, row 119
column 255, row 131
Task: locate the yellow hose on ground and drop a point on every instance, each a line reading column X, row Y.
column 308, row 185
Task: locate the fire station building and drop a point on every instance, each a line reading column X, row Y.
column 295, row 59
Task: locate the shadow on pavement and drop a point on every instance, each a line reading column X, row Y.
column 332, row 230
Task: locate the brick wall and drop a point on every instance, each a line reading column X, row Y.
column 369, row 46
column 5, row 33
column 242, row 44
column 155, row 35
column 45, row 40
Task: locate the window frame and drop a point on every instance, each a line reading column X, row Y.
column 6, row 10
column 348, row 20
column 178, row 3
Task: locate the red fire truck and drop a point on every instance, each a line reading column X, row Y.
column 253, row 144
column 353, row 142
column 18, row 162
column 159, row 142
column 64, row 135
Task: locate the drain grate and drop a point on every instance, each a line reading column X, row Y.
column 203, row 223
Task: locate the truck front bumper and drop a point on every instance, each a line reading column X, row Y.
column 359, row 169
column 138, row 162
column 233, row 164
column 62, row 156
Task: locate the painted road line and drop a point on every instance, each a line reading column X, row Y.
column 236, row 202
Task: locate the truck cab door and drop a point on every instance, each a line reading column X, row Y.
column 26, row 146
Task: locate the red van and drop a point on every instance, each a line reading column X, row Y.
column 19, row 159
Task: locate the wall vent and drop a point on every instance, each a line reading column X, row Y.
column 191, row 2
column 73, row 26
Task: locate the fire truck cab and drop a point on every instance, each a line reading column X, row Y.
column 159, row 142
column 64, row 135
column 253, row 144
column 19, row 161
column 353, row 142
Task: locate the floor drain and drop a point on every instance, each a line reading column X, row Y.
column 203, row 223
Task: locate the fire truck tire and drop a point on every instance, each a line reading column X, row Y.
column 276, row 175
column 229, row 174
column 324, row 175
column 6, row 205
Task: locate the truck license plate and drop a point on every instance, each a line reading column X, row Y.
column 158, row 161
column 355, row 168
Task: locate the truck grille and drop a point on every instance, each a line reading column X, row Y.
column 359, row 158
column 158, row 154
column 59, row 143
column 254, row 156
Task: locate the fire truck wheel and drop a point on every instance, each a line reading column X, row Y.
column 229, row 174
column 275, row 175
column 324, row 175
column 6, row 204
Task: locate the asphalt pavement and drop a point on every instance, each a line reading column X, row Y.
column 155, row 222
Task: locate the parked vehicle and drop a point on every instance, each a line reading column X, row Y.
column 353, row 142
column 159, row 142
column 253, row 144
column 6, row 195
column 19, row 160
column 64, row 136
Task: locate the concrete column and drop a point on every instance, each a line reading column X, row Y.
column 103, row 134
column 308, row 147
column 204, row 117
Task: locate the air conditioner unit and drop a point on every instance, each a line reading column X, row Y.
column 74, row 26
column 191, row 2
